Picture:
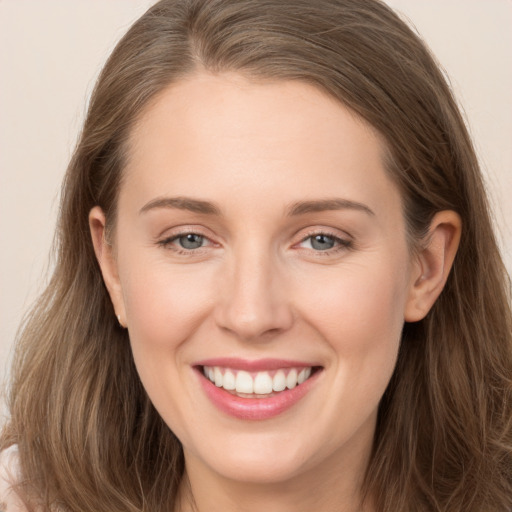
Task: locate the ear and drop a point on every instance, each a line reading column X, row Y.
column 107, row 261
column 433, row 264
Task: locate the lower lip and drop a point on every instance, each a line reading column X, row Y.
column 256, row 408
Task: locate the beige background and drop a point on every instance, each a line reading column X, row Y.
column 51, row 52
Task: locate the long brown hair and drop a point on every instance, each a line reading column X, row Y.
column 87, row 434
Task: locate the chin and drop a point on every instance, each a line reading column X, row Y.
column 254, row 469
column 258, row 458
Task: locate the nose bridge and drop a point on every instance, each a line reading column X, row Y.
column 253, row 300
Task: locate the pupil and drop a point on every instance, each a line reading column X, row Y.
column 322, row 242
column 191, row 241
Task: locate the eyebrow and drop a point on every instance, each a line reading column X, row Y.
column 297, row 208
column 182, row 203
column 302, row 207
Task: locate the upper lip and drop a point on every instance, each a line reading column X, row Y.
column 254, row 365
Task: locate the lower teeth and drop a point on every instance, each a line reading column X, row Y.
column 252, row 395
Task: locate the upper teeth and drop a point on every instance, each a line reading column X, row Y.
column 260, row 383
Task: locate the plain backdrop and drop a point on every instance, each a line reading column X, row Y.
column 51, row 52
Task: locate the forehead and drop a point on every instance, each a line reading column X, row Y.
column 209, row 131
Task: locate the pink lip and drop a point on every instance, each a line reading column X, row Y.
column 254, row 408
column 259, row 365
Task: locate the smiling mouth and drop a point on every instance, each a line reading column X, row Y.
column 261, row 384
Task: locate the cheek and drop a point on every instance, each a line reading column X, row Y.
column 360, row 315
column 164, row 309
column 358, row 306
column 164, row 306
column 360, row 318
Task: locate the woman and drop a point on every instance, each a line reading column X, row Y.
column 277, row 287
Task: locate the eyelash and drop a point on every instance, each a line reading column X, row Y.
column 341, row 244
column 167, row 243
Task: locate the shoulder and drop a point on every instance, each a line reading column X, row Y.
column 9, row 475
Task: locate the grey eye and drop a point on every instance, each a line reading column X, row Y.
column 322, row 242
column 191, row 241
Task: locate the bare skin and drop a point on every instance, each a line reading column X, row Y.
column 258, row 220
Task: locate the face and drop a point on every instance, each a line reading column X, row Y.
column 261, row 245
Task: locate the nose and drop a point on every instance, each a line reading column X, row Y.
column 253, row 304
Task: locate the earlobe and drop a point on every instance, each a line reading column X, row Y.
column 107, row 261
column 434, row 262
